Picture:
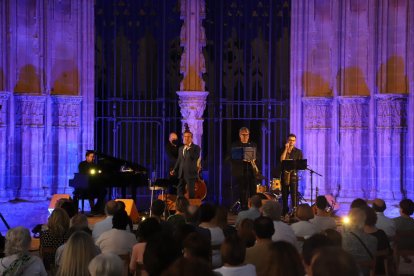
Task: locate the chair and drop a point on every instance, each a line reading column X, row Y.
column 386, row 257
column 400, row 245
column 126, row 258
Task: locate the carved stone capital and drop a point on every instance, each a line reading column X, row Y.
column 192, row 105
column 66, row 111
column 391, row 111
column 353, row 112
column 317, row 112
column 30, row 110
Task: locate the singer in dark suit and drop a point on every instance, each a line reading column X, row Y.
column 186, row 166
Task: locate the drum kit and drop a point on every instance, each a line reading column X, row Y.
column 271, row 191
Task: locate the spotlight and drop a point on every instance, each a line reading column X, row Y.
column 92, row 171
column 346, row 220
column 99, row 171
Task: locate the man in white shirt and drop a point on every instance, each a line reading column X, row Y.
column 283, row 232
column 106, row 224
column 117, row 240
column 323, row 219
column 253, row 212
column 384, row 223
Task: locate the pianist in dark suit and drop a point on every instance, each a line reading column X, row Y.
column 88, row 167
column 186, row 166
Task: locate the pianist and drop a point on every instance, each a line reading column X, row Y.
column 88, row 167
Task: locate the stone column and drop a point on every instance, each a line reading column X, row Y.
column 354, row 146
column 66, row 112
column 28, row 164
column 317, row 146
column 4, row 126
column 193, row 95
column 391, row 122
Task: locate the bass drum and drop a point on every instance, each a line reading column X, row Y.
column 268, row 196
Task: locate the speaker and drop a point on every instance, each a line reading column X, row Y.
column 130, row 208
column 55, row 199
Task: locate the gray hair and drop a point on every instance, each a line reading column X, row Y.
column 357, row 218
column 17, row 241
column 272, row 209
column 244, row 129
column 106, row 264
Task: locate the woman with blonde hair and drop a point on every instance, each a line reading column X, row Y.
column 79, row 251
column 54, row 235
column 18, row 261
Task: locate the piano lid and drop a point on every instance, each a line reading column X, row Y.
column 110, row 164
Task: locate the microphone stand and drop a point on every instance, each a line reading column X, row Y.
column 311, row 177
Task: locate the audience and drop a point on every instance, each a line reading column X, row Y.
column 330, row 261
column 358, row 203
column 283, row 259
column 195, row 245
column 106, row 264
column 405, row 223
column 78, row 252
column 311, row 246
column 55, row 234
column 323, row 219
column 181, row 212
column 18, row 261
column 304, row 228
column 245, row 231
column 207, row 214
column 189, row 267
column 255, row 202
column 117, row 240
column 221, row 219
column 233, row 253
column 146, row 230
column 283, row 232
column 384, row 223
column 110, row 209
column 260, row 252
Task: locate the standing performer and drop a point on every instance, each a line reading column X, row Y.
column 244, row 172
column 171, row 150
column 186, row 166
column 290, row 178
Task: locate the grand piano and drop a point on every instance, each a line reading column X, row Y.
column 109, row 172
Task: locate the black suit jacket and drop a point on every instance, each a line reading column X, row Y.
column 186, row 165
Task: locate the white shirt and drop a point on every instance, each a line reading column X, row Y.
column 101, row 227
column 116, row 241
column 324, row 223
column 283, row 232
column 244, row 270
column 386, row 224
column 217, row 238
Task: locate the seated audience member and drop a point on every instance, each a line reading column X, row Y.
column 245, row 231
column 221, row 219
column 78, row 252
column 323, row 219
column 122, row 206
column 157, row 211
column 355, row 241
column 106, row 264
column 284, row 259
column 384, row 223
column 146, row 230
column 382, row 239
column 405, row 222
column 330, row 261
column 260, row 252
column 117, row 240
column 161, row 251
column 283, row 232
column 18, row 260
column 255, row 202
column 304, row 228
column 311, row 246
column 233, row 253
column 55, row 234
column 79, row 222
column 207, row 214
column 358, row 203
column 334, row 236
column 196, row 245
column 68, row 205
column 181, row 212
column 189, row 267
column 110, row 209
